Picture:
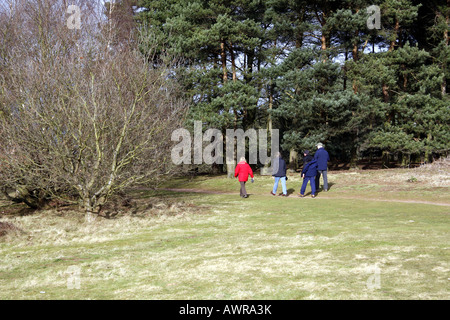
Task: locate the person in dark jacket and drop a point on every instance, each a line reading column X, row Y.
column 309, row 174
column 307, row 157
column 280, row 175
column 322, row 157
column 242, row 171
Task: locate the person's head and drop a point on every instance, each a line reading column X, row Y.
column 319, row 145
column 242, row 159
column 305, row 153
column 278, row 155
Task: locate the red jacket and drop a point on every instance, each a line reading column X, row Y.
column 243, row 170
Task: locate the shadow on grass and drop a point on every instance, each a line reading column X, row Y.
column 290, row 191
column 320, row 189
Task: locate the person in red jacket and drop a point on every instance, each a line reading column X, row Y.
column 242, row 171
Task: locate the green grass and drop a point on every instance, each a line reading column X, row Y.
column 219, row 246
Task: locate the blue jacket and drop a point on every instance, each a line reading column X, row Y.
column 310, row 169
column 322, row 157
column 281, row 172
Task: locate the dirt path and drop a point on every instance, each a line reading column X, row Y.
column 320, row 196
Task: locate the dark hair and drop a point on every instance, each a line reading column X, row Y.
column 306, row 152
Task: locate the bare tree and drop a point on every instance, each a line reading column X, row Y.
column 80, row 120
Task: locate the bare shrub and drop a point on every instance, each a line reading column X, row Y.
column 82, row 117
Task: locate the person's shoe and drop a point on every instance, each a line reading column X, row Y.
column 313, row 196
column 283, row 195
column 301, row 195
column 246, row 196
column 325, row 190
column 271, row 192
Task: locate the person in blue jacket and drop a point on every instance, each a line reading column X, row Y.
column 280, row 175
column 322, row 157
column 309, row 174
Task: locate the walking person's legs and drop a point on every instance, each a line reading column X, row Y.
column 325, row 180
column 317, row 180
column 275, row 185
column 243, row 191
column 305, row 182
column 313, row 186
column 283, row 185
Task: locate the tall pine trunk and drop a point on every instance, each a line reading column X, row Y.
column 324, row 36
column 223, row 58
column 355, row 59
column 293, row 160
column 444, row 81
column 394, row 39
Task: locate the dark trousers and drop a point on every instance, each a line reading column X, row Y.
column 243, row 192
column 305, row 183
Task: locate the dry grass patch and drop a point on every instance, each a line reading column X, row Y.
column 213, row 246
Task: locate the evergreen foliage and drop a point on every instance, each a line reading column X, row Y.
column 315, row 70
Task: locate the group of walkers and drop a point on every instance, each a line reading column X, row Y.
column 313, row 168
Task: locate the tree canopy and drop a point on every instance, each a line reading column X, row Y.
column 320, row 71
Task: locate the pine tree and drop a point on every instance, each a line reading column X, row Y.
column 314, row 70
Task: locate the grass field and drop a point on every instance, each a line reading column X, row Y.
column 374, row 235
